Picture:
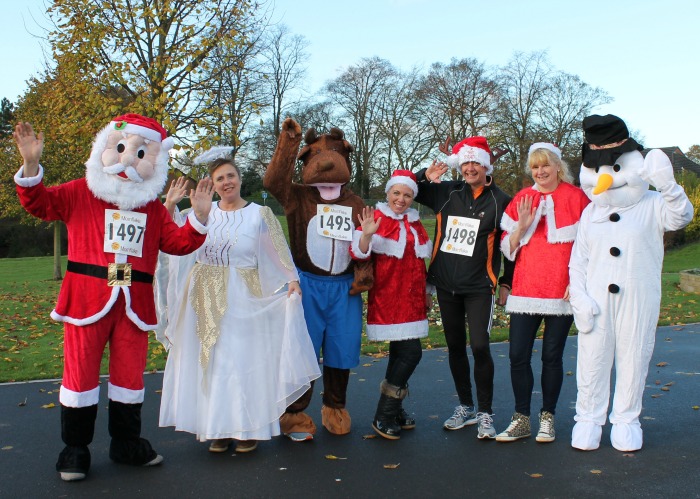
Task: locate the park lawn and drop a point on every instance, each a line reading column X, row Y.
column 31, row 343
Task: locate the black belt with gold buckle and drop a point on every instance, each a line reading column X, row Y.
column 117, row 274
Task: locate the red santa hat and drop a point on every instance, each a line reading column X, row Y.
column 148, row 128
column 404, row 177
column 471, row 149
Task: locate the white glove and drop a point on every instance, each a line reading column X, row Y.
column 585, row 310
column 657, row 170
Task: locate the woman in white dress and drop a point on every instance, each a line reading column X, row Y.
column 240, row 352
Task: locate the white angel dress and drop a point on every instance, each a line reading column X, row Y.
column 240, row 352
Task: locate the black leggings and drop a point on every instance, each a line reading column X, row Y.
column 523, row 329
column 404, row 356
column 478, row 310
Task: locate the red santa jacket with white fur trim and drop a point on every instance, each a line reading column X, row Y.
column 541, row 273
column 84, row 299
column 396, row 303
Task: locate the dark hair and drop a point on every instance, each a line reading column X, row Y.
column 217, row 163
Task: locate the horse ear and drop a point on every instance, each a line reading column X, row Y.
column 337, row 133
column 348, row 146
column 310, row 136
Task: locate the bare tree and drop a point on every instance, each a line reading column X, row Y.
column 459, row 98
column 405, row 130
column 360, row 93
column 284, row 55
column 523, row 83
column 562, row 108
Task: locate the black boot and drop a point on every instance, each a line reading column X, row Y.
column 127, row 446
column 77, row 430
column 403, row 358
column 385, row 419
column 404, row 419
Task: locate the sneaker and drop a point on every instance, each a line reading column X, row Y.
column 220, row 445
column 486, row 429
column 246, row 445
column 546, row 433
column 464, row 415
column 519, row 427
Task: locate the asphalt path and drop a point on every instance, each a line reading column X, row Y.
column 426, row 462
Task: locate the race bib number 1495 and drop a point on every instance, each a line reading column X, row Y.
column 334, row 221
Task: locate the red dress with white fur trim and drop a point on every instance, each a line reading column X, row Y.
column 396, row 303
column 542, row 259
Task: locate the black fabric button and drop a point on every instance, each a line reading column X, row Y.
column 615, row 217
column 615, row 251
column 614, row 288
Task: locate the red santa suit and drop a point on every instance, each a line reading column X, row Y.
column 398, row 247
column 549, row 239
column 86, row 298
column 116, row 227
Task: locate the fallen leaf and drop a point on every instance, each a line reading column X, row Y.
column 569, row 373
column 596, row 472
column 367, row 437
column 657, row 395
column 283, row 469
column 332, row 457
column 48, row 406
column 696, row 407
column 367, row 365
column 670, row 383
column 391, row 466
column 662, row 364
column 22, row 404
column 628, row 455
column 534, row 475
column 665, row 388
column 648, row 418
column 7, row 447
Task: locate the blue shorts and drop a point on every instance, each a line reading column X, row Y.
column 333, row 317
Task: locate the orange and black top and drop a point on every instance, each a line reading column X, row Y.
column 461, row 274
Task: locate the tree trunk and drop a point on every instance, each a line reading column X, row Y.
column 57, row 275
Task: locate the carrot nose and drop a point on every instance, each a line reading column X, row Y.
column 604, row 182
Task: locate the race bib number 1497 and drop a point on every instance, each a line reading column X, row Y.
column 124, row 232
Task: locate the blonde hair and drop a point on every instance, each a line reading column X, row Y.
column 542, row 156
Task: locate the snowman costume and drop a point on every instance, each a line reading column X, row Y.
column 615, row 273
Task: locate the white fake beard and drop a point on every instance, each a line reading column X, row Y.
column 126, row 194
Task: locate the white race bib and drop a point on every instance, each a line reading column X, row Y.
column 124, row 232
column 334, row 221
column 460, row 235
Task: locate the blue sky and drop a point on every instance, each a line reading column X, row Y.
column 644, row 53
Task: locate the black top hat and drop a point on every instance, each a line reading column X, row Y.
column 605, row 132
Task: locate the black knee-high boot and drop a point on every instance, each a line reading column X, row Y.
column 404, row 358
column 385, row 419
column 77, row 430
column 127, row 446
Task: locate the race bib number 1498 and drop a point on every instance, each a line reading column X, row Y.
column 460, row 235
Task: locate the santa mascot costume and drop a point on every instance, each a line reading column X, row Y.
column 116, row 227
column 615, row 272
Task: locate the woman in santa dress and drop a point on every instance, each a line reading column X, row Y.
column 539, row 227
column 240, row 350
column 393, row 236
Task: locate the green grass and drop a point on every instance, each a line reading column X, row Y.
column 31, row 343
